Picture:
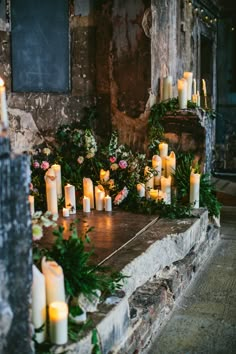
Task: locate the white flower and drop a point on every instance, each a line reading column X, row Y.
column 37, row 232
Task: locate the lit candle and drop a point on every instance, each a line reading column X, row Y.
column 57, row 170
column 51, row 191
column 198, row 99
column 99, row 198
column 54, row 278
column 39, row 304
column 86, row 205
column 104, row 175
column 65, row 212
column 3, row 101
column 166, row 188
column 70, row 201
column 182, row 93
column 170, row 164
column 188, row 76
column 108, row 203
column 153, row 194
column 167, row 88
column 141, row 190
column 204, row 92
column 58, row 322
column 157, row 166
column 194, row 87
column 149, row 180
column 194, row 189
column 163, row 149
column 88, row 190
column 31, row 203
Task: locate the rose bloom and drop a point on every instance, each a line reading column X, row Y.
column 47, row 151
column 123, row 164
column 36, row 164
column 80, row 159
column 112, row 159
column 44, row 165
column 114, row 166
column 90, row 155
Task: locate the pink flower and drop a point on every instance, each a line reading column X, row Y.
column 44, row 165
column 36, row 164
column 112, row 159
column 123, row 164
column 80, row 160
column 31, row 187
column 121, row 196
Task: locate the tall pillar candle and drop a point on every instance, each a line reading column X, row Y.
column 54, row 277
column 149, row 184
column 166, row 188
column 51, row 191
column 188, row 76
column 99, row 199
column 157, row 166
column 167, row 88
column 163, row 149
column 3, row 102
column 170, row 164
column 58, row 322
column 31, row 203
column 182, row 93
column 141, row 190
column 152, row 99
column 194, row 87
column 39, row 304
column 194, row 189
column 70, row 200
column 57, row 170
column 88, row 190
column 198, row 99
column 86, row 205
column 108, row 203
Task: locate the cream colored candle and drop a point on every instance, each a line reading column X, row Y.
column 157, row 166
column 163, row 149
column 3, row 101
column 166, row 188
column 70, row 201
column 194, row 99
column 57, row 170
column 39, row 304
column 149, row 180
column 161, row 195
column 58, row 322
column 167, row 88
column 198, row 99
column 188, row 76
column 104, row 175
column 204, row 87
column 170, row 164
column 194, row 189
column 54, row 277
column 51, row 191
column 31, row 203
column 194, row 87
column 141, row 190
column 88, row 190
column 182, row 93
column 108, row 203
column 99, row 198
column 152, row 99
column 66, row 212
column 86, row 205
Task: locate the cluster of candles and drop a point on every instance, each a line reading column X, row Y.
column 158, row 185
column 185, row 92
column 48, row 299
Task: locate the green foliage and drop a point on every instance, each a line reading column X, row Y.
column 208, row 197
column 182, row 174
column 95, row 341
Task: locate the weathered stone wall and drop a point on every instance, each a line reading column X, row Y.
column 15, row 252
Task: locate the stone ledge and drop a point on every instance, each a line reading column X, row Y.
column 161, row 263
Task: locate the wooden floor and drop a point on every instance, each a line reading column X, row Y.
column 112, row 230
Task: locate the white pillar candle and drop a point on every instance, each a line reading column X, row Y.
column 149, row 184
column 88, row 190
column 51, row 191
column 152, row 99
column 157, row 166
column 66, row 212
column 167, row 88
column 204, row 87
column 58, row 322
column 198, row 99
column 194, row 87
column 161, row 195
column 182, row 93
column 86, row 205
column 3, row 102
column 31, row 203
column 141, row 190
column 170, row 164
column 39, row 304
column 104, row 175
column 70, row 201
column 194, row 189
column 99, row 199
column 188, row 76
column 57, row 170
column 108, row 203
column 163, row 149
column 166, row 188
column 54, row 277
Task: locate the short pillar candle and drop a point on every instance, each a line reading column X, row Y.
column 58, row 322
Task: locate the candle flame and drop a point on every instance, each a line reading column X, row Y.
column 1, row 82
